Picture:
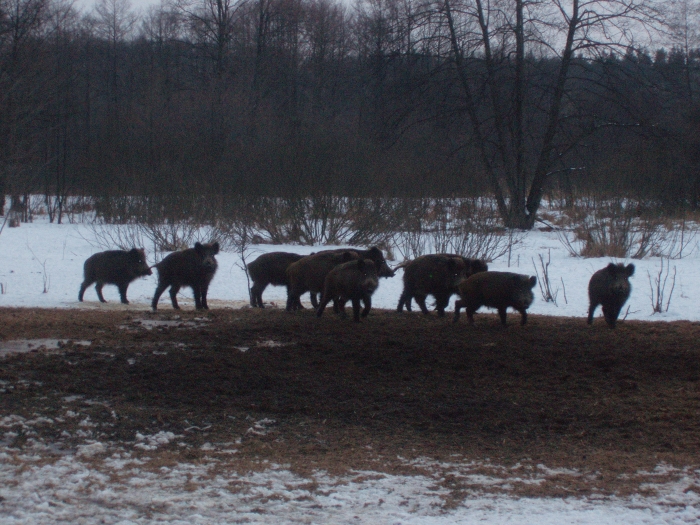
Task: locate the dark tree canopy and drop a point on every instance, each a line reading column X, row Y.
column 381, row 98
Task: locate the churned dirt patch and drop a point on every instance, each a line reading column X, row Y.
column 330, row 394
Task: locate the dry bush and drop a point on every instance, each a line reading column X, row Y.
column 468, row 227
column 163, row 223
column 326, row 219
column 543, row 280
column 677, row 239
column 658, row 288
column 110, row 237
column 618, row 228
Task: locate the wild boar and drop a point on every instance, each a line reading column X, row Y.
column 193, row 267
column 375, row 255
column 610, row 287
column 496, row 290
column 269, row 268
column 437, row 275
column 118, row 267
column 353, row 281
column 308, row 274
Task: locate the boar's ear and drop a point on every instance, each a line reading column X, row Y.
column 347, row 256
column 630, row 270
column 215, row 246
column 532, row 281
column 134, row 251
column 374, row 252
column 199, row 248
column 477, row 265
column 611, row 268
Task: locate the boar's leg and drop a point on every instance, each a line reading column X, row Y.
column 367, row 299
column 122, row 292
column 610, row 313
column 159, row 290
column 256, row 292
column 83, row 287
column 98, row 289
column 173, row 295
column 523, row 316
column 341, row 307
column 356, row 310
column 314, row 299
column 205, row 291
column 441, row 302
column 591, row 310
column 420, row 299
column 197, row 291
column 459, row 304
column 405, row 299
column 471, row 309
column 293, row 299
column 502, row 315
column 321, row 307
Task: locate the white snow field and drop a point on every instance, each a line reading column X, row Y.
column 41, row 266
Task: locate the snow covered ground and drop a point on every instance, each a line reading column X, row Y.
column 41, row 266
column 120, row 490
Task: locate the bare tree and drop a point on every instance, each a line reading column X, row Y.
column 114, row 22
column 212, row 22
column 683, row 19
column 21, row 89
column 520, row 119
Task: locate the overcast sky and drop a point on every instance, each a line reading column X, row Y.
column 136, row 5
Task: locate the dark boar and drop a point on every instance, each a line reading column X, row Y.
column 308, row 274
column 610, row 287
column 353, row 281
column 437, row 275
column 269, row 268
column 496, row 290
column 194, row 267
column 118, row 267
column 375, row 255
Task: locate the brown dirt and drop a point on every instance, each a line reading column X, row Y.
column 346, row 396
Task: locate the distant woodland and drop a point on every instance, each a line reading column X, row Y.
column 379, row 98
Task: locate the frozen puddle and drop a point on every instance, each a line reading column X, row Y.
column 23, row 346
column 150, row 324
column 269, row 343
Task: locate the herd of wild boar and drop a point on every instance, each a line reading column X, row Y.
column 344, row 275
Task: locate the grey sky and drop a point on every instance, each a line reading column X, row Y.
column 136, row 5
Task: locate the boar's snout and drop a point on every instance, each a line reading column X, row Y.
column 139, row 264
column 620, row 286
column 209, row 262
column 144, row 269
column 370, row 283
column 385, row 270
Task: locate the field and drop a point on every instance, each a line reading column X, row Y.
column 336, row 396
column 110, row 413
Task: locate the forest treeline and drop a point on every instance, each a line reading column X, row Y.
column 307, row 97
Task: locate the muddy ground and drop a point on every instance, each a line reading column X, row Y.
column 336, row 395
